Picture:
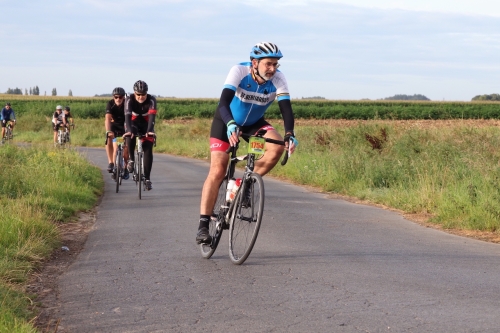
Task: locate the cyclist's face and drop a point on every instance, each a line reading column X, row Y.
column 267, row 67
column 59, row 110
column 140, row 97
column 118, row 99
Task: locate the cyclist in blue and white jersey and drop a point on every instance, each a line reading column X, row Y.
column 7, row 115
column 249, row 90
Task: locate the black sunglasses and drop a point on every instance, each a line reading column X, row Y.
column 141, row 94
column 118, row 97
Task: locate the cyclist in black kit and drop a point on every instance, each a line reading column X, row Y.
column 114, row 124
column 140, row 113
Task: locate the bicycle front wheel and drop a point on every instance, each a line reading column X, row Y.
column 246, row 218
column 118, row 169
column 138, row 163
column 217, row 221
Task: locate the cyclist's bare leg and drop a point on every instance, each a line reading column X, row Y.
column 272, row 155
column 110, row 151
column 3, row 132
column 217, row 171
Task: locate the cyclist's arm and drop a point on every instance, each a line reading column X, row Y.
column 107, row 122
column 128, row 113
column 152, row 115
column 286, row 112
column 224, row 108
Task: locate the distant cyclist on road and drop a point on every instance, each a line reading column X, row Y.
column 114, row 124
column 7, row 116
column 249, row 89
column 140, row 113
column 58, row 120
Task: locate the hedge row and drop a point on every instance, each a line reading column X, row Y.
column 94, row 107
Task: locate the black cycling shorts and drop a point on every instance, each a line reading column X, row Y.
column 218, row 132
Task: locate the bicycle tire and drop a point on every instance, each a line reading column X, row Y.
column 139, row 174
column 118, row 166
column 245, row 221
column 215, row 225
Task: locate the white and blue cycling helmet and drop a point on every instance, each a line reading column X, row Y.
column 265, row 50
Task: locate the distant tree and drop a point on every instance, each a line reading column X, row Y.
column 45, row 93
column 402, row 97
column 15, row 91
column 25, row 91
column 54, row 92
column 491, row 97
column 37, row 91
column 70, row 93
column 103, row 95
column 31, row 91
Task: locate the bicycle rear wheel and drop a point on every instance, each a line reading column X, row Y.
column 216, row 222
column 118, row 169
column 246, row 218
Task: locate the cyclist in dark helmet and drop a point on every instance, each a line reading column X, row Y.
column 249, row 90
column 140, row 113
column 7, row 116
column 114, row 123
column 69, row 118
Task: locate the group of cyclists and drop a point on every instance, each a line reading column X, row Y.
column 250, row 88
column 131, row 116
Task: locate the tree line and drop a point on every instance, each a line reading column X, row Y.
column 35, row 91
column 490, row 97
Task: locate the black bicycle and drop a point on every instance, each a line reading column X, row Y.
column 119, row 168
column 140, row 179
column 240, row 211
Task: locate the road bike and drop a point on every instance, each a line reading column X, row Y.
column 8, row 133
column 241, row 215
column 63, row 137
column 138, row 176
column 119, row 168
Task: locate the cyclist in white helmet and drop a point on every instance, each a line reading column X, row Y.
column 249, row 90
column 58, row 119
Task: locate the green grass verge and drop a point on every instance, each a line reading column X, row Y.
column 40, row 187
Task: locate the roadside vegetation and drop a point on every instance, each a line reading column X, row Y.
column 446, row 170
column 41, row 188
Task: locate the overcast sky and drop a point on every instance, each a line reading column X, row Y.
column 445, row 50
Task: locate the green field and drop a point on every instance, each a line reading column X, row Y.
column 88, row 107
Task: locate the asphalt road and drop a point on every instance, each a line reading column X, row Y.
column 319, row 265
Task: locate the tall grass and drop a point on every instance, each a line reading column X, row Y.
column 38, row 188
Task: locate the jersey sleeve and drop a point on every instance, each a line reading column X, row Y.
column 236, row 74
column 281, row 85
column 109, row 106
column 152, row 105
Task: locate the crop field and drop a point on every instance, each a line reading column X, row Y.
column 171, row 108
